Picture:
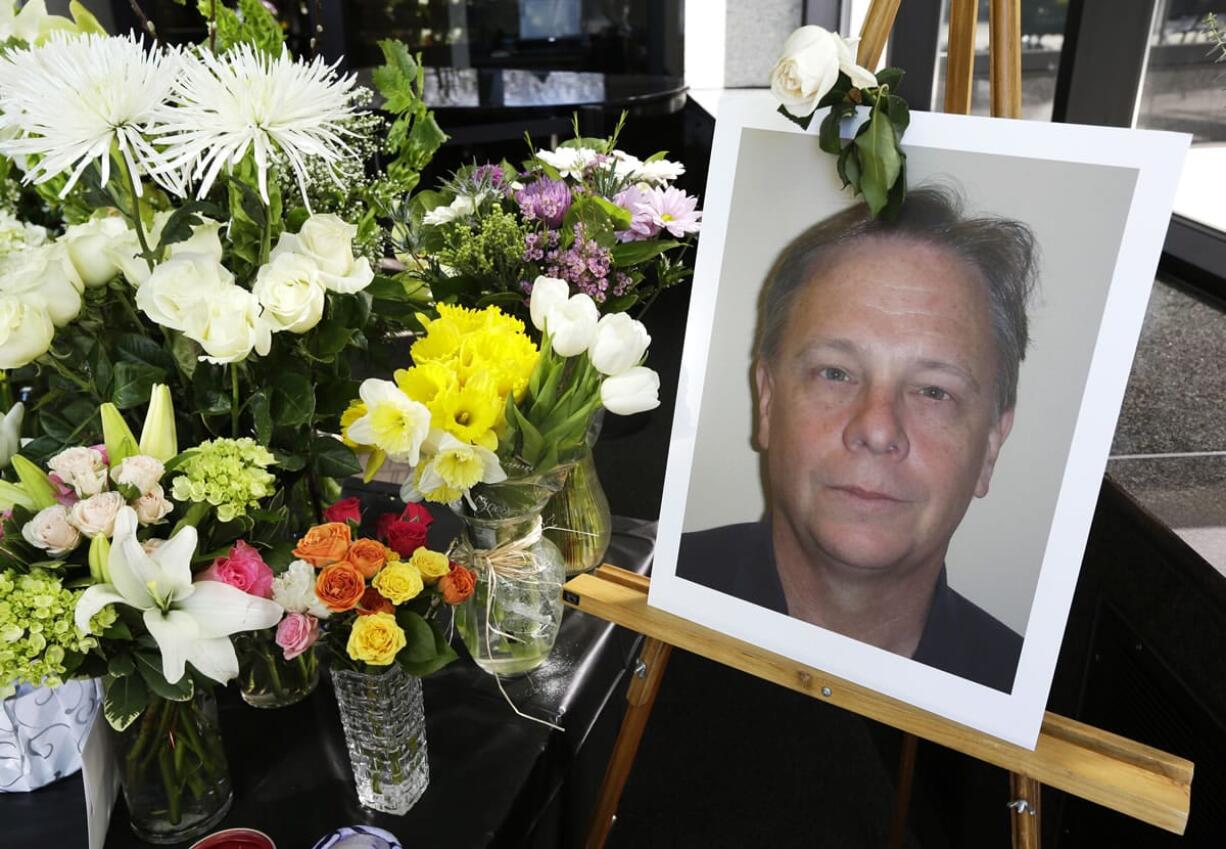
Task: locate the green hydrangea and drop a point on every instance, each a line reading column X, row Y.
column 229, row 474
column 39, row 644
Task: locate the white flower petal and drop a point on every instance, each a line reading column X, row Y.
column 215, row 658
column 221, row 610
column 176, row 634
column 132, row 571
column 174, row 561
column 92, row 600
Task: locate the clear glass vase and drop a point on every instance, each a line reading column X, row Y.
column 266, row 679
column 578, row 520
column 385, row 731
column 510, row 622
column 173, row 769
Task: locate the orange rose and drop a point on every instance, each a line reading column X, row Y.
column 368, row 555
column 324, row 544
column 340, row 586
column 374, row 602
column 458, row 584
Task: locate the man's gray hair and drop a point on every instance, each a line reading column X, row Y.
column 1001, row 251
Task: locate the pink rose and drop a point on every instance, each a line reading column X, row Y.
column 345, row 510
column 297, row 633
column 242, row 569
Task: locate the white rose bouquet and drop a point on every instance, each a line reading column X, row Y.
column 817, row 70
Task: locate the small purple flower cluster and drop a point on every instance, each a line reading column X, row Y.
column 544, row 200
column 493, row 173
column 585, row 265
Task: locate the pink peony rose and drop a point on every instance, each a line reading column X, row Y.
column 345, row 510
column 297, row 633
column 242, row 569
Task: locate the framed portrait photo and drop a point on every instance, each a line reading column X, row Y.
column 890, row 436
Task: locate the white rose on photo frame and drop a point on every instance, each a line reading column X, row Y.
column 547, row 293
column 229, row 326
column 140, row 472
column 572, row 325
column 82, row 468
column 633, row 391
column 96, row 514
column 44, row 276
column 176, row 291
column 619, row 344
column 89, row 248
column 153, row 506
column 26, row 331
column 294, row 589
column 809, row 67
column 328, row 240
column 51, row 531
column 289, row 289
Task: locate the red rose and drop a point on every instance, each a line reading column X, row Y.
column 345, row 510
column 416, row 514
column 402, row 537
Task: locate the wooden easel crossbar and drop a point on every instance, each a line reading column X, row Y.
column 1118, row 773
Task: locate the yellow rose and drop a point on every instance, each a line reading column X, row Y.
column 431, row 564
column 398, row 582
column 375, row 639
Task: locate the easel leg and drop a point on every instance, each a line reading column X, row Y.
column 1025, row 805
column 902, row 792
column 641, row 696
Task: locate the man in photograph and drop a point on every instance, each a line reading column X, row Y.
column 886, row 367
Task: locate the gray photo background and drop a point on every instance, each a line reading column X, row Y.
column 783, row 183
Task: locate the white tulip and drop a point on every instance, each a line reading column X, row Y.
column 289, row 289
column 229, row 326
column 175, row 293
column 45, row 277
column 26, row 331
column 547, row 293
column 635, row 390
column 328, row 241
column 10, row 433
column 572, row 324
column 620, row 344
column 51, row 531
column 89, row 248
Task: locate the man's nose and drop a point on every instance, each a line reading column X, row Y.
column 876, row 425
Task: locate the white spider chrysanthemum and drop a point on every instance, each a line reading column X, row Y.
column 70, row 100
column 242, row 100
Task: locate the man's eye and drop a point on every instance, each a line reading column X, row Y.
column 834, row 373
column 935, row 393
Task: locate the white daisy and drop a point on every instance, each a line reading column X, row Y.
column 243, row 100
column 69, row 100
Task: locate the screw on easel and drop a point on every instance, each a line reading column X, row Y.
column 1022, row 807
column 827, row 692
column 640, row 669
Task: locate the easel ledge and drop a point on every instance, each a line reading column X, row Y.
column 1145, row 783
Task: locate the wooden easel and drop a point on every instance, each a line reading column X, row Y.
column 1142, row 782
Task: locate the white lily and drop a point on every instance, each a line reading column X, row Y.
column 10, row 433
column 191, row 622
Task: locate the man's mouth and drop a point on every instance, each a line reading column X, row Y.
column 866, row 494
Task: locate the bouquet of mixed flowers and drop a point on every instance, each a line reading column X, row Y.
column 609, row 224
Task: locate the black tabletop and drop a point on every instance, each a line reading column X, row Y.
column 492, row 774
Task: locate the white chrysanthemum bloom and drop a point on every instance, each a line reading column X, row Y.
column 243, row 100
column 71, row 99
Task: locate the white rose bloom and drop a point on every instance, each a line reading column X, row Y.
column 328, row 241
column 17, row 235
column 620, row 344
column 547, row 293
column 50, row 531
column 569, row 161
column 635, row 390
column 807, row 69
column 35, row 235
column 26, row 331
column 45, row 277
column 205, row 239
column 289, row 289
column 81, row 468
column 89, row 248
column 660, row 171
column 96, row 514
column 572, row 325
column 153, row 506
column 229, row 326
column 125, row 252
column 294, row 589
column 176, row 292
column 140, row 471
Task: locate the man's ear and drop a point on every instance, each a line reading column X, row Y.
column 765, row 384
column 996, row 438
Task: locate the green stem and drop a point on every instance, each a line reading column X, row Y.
column 274, row 674
column 68, row 375
column 6, row 392
column 130, row 310
column 137, row 223
column 266, row 237
column 234, row 406
column 174, row 810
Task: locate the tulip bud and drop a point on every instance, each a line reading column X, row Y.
column 158, row 438
column 120, row 443
column 635, row 390
column 35, row 482
column 572, row 325
column 547, row 293
column 99, row 554
column 619, row 345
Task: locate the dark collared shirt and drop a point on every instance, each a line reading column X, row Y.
column 958, row 636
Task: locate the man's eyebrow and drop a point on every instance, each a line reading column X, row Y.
column 951, row 368
column 838, row 343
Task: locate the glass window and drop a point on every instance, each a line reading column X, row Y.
column 1042, row 39
column 1184, row 89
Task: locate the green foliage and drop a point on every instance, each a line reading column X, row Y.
column 414, row 135
column 490, row 252
column 250, row 22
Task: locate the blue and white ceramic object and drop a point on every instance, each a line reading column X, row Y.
column 42, row 732
column 359, row 837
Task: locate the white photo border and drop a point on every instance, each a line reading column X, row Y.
column 1017, row 716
